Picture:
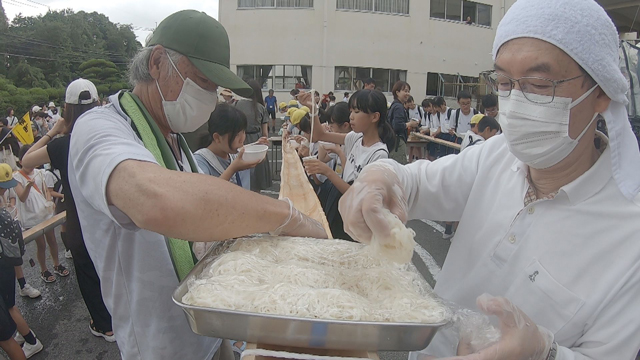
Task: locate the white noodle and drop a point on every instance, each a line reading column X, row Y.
column 324, row 279
column 399, row 248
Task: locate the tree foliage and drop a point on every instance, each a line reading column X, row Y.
column 43, row 54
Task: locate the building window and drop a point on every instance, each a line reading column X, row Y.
column 277, row 77
column 461, row 10
column 448, row 85
column 400, row 7
column 352, row 78
column 296, row 4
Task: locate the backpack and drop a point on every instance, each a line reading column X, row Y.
column 58, row 184
column 475, row 112
column 11, row 241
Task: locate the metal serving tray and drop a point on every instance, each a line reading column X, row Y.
column 297, row 331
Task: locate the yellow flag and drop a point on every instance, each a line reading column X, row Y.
column 23, row 130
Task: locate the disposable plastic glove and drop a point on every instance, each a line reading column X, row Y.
column 298, row 224
column 521, row 338
column 377, row 188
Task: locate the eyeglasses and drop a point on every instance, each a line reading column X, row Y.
column 529, row 85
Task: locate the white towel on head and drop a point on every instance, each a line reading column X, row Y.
column 583, row 30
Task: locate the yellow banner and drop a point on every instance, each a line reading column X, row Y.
column 23, row 130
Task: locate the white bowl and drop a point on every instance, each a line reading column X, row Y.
column 254, row 152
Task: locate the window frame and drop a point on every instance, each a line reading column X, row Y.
column 444, row 84
column 272, row 80
column 240, row 6
column 373, row 7
column 462, row 20
column 355, row 82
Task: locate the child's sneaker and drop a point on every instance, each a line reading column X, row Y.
column 29, row 291
column 30, row 350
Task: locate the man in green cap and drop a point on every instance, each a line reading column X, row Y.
column 138, row 193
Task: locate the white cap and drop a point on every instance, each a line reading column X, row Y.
column 76, row 88
column 35, row 109
column 51, row 104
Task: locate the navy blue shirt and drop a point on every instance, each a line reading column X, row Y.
column 271, row 102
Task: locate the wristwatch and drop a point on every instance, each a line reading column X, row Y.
column 553, row 351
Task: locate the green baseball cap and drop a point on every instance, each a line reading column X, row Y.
column 205, row 42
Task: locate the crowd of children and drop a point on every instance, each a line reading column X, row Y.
column 31, row 195
column 364, row 128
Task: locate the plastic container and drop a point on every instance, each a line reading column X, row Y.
column 254, row 152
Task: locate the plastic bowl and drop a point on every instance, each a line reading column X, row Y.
column 255, row 152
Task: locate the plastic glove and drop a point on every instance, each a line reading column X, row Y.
column 521, row 338
column 377, row 188
column 298, row 224
column 303, row 151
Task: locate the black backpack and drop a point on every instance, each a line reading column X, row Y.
column 11, row 241
column 475, row 112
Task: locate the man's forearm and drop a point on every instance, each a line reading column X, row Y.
column 192, row 207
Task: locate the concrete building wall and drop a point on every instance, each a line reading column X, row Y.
column 324, row 37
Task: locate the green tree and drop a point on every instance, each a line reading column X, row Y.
column 59, row 41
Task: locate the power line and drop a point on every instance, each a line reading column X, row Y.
column 25, row 4
column 37, row 3
column 42, row 58
column 30, row 49
column 79, row 51
column 18, row 4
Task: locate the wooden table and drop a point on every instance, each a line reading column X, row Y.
column 319, row 352
column 43, row 227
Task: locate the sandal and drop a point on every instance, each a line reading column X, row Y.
column 47, row 276
column 60, row 270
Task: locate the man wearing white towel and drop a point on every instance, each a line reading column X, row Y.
column 548, row 216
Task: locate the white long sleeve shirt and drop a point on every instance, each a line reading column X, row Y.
column 572, row 264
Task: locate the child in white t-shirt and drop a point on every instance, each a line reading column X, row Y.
column 34, row 207
column 415, row 113
column 471, row 137
column 482, row 128
column 332, row 154
column 370, row 140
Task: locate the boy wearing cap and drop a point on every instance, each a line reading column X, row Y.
column 10, row 317
column 472, row 137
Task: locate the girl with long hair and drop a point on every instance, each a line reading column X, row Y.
column 371, row 139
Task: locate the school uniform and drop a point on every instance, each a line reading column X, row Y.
column 214, row 165
column 357, row 157
column 470, row 139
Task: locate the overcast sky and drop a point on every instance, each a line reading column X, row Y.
column 140, row 13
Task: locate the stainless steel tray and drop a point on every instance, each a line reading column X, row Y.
column 297, row 331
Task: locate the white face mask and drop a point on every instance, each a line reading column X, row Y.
column 538, row 134
column 191, row 109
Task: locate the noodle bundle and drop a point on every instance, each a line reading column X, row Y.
column 322, row 279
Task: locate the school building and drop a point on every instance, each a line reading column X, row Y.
column 438, row 46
